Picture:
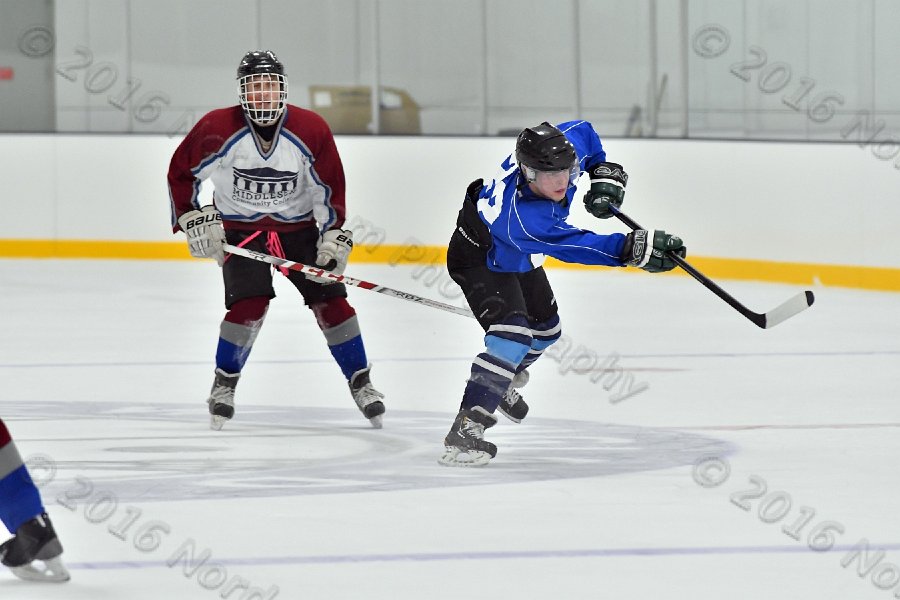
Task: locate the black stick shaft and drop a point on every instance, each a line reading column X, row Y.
column 758, row 319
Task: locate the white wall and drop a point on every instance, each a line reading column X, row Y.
column 792, row 202
column 471, row 64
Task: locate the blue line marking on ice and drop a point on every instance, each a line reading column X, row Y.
column 499, row 555
column 185, row 363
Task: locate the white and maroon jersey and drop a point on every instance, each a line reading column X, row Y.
column 297, row 183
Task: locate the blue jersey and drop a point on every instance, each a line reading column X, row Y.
column 525, row 228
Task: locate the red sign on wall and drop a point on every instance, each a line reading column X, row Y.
column 6, row 73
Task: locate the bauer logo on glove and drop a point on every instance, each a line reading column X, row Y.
column 334, row 249
column 203, row 219
column 205, row 234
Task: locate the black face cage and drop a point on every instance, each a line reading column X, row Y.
column 269, row 110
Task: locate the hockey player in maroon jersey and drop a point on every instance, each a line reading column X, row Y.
column 278, row 188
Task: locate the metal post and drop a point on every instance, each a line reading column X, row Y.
column 129, row 55
column 376, row 84
column 651, row 103
column 484, row 69
column 576, row 41
column 685, row 73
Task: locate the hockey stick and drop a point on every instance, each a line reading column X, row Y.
column 782, row 312
column 323, row 275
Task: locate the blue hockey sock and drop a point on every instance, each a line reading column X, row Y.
column 506, row 345
column 543, row 335
column 231, row 357
column 238, row 332
column 350, row 356
column 488, row 381
column 20, row 500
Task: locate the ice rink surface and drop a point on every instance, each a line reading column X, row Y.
column 673, row 449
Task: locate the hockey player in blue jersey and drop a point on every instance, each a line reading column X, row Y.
column 504, row 230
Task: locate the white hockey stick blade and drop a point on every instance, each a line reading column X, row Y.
column 785, row 311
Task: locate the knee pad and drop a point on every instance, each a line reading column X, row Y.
column 509, row 340
column 545, row 333
column 332, row 312
column 238, row 332
column 248, row 310
column 5, row 437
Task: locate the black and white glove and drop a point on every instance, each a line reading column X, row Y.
column 608, row 181
column 333, row 249
column 205, row 234
column 651, row 253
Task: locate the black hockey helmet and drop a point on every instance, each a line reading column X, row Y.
column 261, row 68
column 256, row 62
column 545, row 148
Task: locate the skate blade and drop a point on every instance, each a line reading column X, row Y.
column 376, row 421
column 454, row 457
column 53, row 572
column 216, row 422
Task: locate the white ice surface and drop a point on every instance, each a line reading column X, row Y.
column 105, row 366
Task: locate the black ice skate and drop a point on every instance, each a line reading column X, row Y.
column 34, row 541
column 465, row 445
column 367, row 398
column 221, row 399
column 513, row 406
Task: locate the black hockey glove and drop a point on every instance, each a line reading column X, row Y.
column 651, row 254
column 608, row 181
column 468, row 224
